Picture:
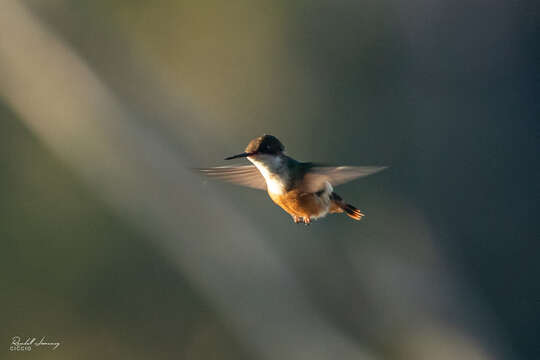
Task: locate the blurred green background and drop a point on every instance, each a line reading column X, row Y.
column 114, row 248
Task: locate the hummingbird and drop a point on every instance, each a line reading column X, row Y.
column 305, row 190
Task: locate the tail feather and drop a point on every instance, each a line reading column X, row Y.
column 350, row 210
column 353, row 212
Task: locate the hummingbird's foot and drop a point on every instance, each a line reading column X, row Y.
column 307, row 221
column 297, row 219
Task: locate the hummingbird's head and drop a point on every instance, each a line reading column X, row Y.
column 266, row 144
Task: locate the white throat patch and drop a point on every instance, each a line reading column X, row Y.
column 271, row 168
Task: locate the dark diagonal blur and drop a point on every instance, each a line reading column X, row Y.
column 112, row 247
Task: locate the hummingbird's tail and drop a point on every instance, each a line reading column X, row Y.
column 353, row 212
column 340, row 206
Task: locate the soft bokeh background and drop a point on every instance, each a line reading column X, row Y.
column 111, row 245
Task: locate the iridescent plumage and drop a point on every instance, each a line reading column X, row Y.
column 305, row 190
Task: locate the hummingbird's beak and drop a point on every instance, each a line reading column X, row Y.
column 244, row 154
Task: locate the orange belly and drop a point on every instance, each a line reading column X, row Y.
column 302, row 204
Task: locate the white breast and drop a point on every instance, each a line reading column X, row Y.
column 271, row 168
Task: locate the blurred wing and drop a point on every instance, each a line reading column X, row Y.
column 244, row 175
column 316, row 176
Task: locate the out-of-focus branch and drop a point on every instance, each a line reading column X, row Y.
column 62, row 101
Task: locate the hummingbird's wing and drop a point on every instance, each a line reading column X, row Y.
column 316, row 175
column 244, row 175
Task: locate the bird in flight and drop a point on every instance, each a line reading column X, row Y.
column 305, row 190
